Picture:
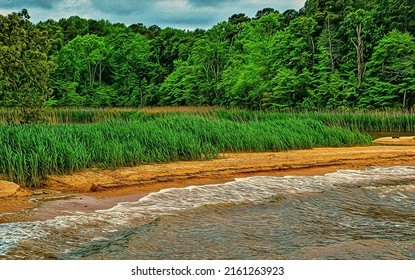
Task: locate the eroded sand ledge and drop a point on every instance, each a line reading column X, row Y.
column 103, row 188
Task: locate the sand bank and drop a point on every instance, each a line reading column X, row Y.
column 100, row 189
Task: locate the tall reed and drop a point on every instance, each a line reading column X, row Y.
column 362, row 121
column 29, row 153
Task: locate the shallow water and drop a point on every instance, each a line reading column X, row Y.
column 366, row 214
column 381, row 134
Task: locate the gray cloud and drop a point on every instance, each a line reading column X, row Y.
column 122, row 7
column 211, row 3
column 46, row 4
column 183, row 14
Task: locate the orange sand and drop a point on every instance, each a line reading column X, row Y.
column 98, row 189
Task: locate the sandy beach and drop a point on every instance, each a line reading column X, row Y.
column 95, row 189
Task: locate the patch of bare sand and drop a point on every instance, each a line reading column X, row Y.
column 232, row 165
column 404, row 141
column 8, row 189
column 13, row 197
column 100, row 189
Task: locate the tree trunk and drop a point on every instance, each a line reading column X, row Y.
column 404, row 100
column 333, row 67
column 360, row 46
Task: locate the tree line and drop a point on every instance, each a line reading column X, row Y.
column 344, row 54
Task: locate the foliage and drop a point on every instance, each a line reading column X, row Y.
column 393, row 62
column 24, row 65
column 329, row 54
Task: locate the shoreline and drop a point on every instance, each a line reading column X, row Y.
column 95, row 189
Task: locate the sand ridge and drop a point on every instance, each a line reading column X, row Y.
column 100, row 189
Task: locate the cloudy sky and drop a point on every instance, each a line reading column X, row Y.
column 183, row 14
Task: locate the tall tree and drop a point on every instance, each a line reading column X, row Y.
column 335, row 9
column 392, row 72
column 265, row 12
column 73, row 26
column 329, row 42
column 82, row 61
column 24, row 65
column 131, row 68
column 247, row 77
column 211, row 57
column 170, row 45
column 358, row 27
column 182, row 86
column 54, row 32
column 393, row 14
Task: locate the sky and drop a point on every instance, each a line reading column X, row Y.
column 182, row 14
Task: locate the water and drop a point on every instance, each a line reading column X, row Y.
column 367, row 214
column 381, row 134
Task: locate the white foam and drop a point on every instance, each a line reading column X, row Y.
column 169, row 201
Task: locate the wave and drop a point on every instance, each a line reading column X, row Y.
column 64, row 233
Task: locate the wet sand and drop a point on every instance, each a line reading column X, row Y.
column 101, row 189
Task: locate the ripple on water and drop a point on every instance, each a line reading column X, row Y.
column 365, row 214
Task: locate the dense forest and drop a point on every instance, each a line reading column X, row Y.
column 344, row 54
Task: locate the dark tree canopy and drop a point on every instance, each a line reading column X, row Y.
column 265, row 11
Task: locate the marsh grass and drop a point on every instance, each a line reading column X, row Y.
column 29, row 153
column 372, row 121
column 79, row 138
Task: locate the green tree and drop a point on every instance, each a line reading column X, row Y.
column 330, row 89
column 247, row 77
column 209, row 58
column 181, row 87
column 336, row 10
column 170, row 45
column 100, row 28
column 24, row 65
column 326, row 55
column 359, row 36
column 392, row 72
column 131, row 68
column 82, row 61
column 290, row 15
column 290, row 89
column 73, row 26
column 293, row 54
column 330, row 44
column 265, row 12
column 201, row 73
column 245, row 85
column 55, row 32
column 393, row 14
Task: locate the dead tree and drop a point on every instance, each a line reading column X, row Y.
column 360, row 46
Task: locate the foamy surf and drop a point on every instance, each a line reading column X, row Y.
column 66, row 233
